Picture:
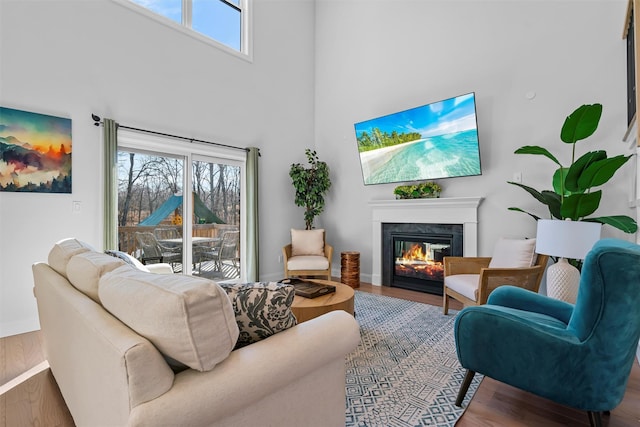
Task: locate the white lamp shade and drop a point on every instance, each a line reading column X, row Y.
column 566, row 239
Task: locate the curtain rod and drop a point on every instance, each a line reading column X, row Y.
column 97, row 121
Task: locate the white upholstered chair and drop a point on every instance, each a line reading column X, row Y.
column 308, row 254
column 470, row 280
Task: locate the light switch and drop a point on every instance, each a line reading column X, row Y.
column 517, row 177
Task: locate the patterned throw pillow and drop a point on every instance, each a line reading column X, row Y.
column 128, row 259
column 261, row 309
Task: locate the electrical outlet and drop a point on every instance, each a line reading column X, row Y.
column 280, row 259
column 517, row 177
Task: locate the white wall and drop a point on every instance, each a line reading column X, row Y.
column 378, row 57
column 73, row 58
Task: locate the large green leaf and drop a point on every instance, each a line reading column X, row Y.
column 582, row 123
column 536, row 217
column 621, row 222
column 578, row 206
column 553, row 202
column 576, row 169
column 535, row 193
column 534, row 149
column 601, row 171
column 559, row 186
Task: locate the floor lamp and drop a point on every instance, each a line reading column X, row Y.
column 565, row 239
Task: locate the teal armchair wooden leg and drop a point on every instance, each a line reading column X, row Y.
column 465, row 386
column 595, row 419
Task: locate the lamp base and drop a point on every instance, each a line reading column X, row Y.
column 563, row 280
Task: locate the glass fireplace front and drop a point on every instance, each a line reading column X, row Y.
column 418, row 261
column 413, row 254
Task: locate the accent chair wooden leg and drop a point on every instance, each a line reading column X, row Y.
column 595, row 419
column 465, row 386
column 445, row 302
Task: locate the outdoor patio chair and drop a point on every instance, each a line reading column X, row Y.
column 226, row 250
column 166, row 233
column 152, row 251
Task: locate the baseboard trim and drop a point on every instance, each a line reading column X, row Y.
column 19, row 327
column 42, row 366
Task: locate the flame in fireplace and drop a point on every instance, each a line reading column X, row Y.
column 415, row 255
column 418, row 262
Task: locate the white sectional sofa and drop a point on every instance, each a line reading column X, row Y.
column 111, row 375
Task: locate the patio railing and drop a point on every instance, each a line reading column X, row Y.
column 127, row 237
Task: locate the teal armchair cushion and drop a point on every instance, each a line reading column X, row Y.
column 577, row 355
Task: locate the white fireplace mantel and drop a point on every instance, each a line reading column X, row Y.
column 453, row 210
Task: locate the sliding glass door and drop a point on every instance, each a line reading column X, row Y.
column 150, row 206
column 198, row 231
column 216, row 230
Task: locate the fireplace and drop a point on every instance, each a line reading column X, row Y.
column 445, row 210
column 413, row 254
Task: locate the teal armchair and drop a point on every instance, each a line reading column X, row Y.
column 576, row 355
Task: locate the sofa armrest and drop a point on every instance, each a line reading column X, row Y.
column 464, row 265
column 328, row 253
column 261, row 370
column 520, row 299
column 492, row 278
column 286, row 252
column 102, row 367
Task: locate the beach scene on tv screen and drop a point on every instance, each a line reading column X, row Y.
column 437, row 140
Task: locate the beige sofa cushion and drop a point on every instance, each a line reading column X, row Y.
column 307, row 242
column 62, row 252
column 188, row 319
column 85, row 269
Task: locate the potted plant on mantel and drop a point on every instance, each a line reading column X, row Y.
column 572, row 196
column 418, row 191
column 311, row 184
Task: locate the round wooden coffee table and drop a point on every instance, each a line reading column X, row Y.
column 308, row 308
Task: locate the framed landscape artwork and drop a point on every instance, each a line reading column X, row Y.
column 35, row 152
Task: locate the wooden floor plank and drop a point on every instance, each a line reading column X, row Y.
column 19, row 353
column 497, row 404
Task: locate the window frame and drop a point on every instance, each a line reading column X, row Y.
column 246, row 25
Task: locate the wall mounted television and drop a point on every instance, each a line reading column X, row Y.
column 436, row 140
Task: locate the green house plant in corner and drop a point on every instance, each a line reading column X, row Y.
column 574, row 195
column 310, row 184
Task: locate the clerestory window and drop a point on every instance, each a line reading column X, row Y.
column 223, row 21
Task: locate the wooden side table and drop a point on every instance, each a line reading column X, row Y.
column 350, row 268
column 308, row 308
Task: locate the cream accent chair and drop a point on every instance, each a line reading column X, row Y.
column 308, row 254
column 470, row 280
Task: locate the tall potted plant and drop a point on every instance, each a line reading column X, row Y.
column 310, row 184
column 573, row 195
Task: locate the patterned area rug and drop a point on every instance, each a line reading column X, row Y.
column 405, row 371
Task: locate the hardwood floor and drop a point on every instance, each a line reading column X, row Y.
column 34, row 399
column 29, row 395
